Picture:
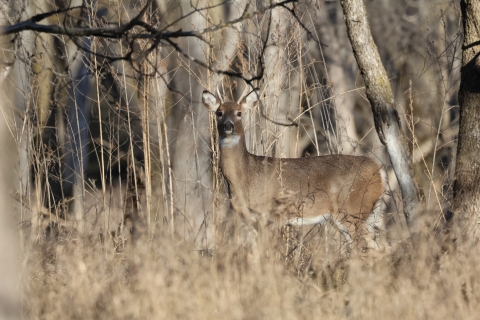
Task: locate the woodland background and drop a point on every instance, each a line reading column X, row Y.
column 111, row 160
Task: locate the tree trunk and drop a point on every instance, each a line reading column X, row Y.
column 9, row 217
column 379, row 93
column 466, row 199
column 189, row 158
column 9, row 294
column 75, row 157
column 340, row 77
column 280, row 105
column 24, row 48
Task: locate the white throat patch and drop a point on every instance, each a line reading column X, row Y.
column 229, row 142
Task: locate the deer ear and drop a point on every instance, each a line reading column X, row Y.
column 251, row 98
column 210, row 101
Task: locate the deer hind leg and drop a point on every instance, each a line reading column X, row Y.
column 323, row 220
column 374, row 224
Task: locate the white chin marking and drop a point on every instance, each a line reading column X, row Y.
column 229, row 141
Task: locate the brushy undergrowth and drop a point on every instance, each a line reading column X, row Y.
column 286, row 275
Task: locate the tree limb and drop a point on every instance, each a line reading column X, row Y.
column 119, row 32
column 380, row 96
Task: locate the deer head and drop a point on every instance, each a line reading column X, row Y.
column 229, row 116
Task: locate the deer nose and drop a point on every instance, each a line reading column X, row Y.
column 228, row 127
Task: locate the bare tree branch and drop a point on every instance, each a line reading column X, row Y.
column 26, row 25
column 150, row 32
column 120, row 32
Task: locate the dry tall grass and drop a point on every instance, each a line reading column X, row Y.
column 78, row 276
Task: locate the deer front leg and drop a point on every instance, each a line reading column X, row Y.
column 240, row 205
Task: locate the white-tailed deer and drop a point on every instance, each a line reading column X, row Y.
column 338, row 189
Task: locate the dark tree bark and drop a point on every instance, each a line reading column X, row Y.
column 466, row 201
column 380, row 95
column 75, row 157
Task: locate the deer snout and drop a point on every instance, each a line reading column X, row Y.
column 228, row 127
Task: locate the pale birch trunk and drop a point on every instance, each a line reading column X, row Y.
column 9, row 302
column 340, row 77
column 22, row 97
column 9, row 180
column 282, row 88
column 229, row 39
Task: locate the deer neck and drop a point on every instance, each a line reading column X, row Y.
column 233, row 157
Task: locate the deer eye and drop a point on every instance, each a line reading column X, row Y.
column 219, row 114
column 239, row 113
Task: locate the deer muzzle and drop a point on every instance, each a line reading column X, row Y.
column 228, row 127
